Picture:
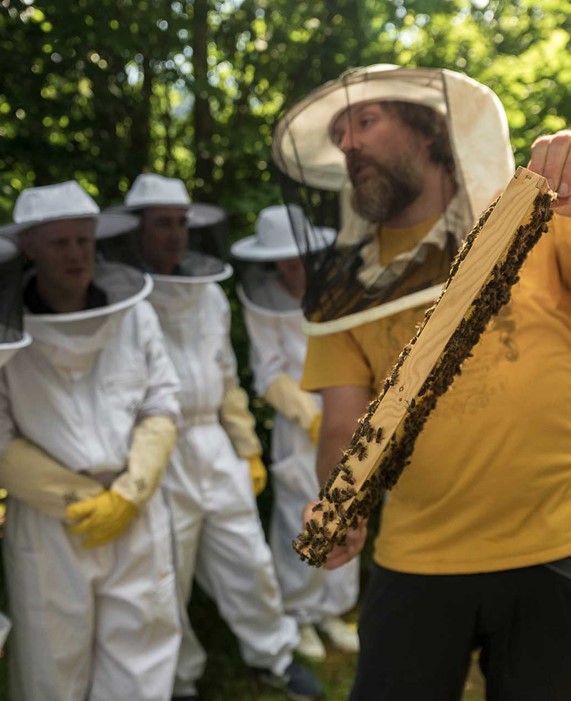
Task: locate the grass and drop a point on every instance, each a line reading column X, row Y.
column 226, row 677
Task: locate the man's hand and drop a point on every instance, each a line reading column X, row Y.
column 551, row 157
column 340, row 554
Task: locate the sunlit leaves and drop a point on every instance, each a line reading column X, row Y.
column 104, row 89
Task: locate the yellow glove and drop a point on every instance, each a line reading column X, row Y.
column 32, row 476
column 101, row 519
column 286, row 396
column 315, row 429
column 106, row 516
column 258, row 473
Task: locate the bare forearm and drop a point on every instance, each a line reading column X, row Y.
column 342, row 408
column 330, row 450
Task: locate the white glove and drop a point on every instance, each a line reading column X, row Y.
column 286, row 396
column 154, row 439
column 31, row 475
column 104, row 518
column 239, row 423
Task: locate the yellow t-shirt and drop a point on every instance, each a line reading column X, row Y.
column 489, row 485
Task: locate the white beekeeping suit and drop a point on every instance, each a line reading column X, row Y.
column 12, row 336
column 86, row 413
column 278, row 344
column 209, row 484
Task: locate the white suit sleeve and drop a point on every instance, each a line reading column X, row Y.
column 163, row 384
column 32, row 476
column 238, row 421
column 154, row 435
column 267, row 358
column 269, row 365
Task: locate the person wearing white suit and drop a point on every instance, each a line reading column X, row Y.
column 272, row 285
column 87, row 425
column 12, row 339
column 216, row 468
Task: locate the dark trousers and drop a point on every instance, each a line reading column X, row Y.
column 418, row 632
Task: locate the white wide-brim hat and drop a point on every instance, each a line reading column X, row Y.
column 303, row 150
column 152, row 190
column 274, row 238
column 203, row 215
column 68, row 200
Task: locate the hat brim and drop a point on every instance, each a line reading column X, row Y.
column 108, row 224
column 204, row 215
column 250, row 249
column 224, row 274
column 113, row 224
column 302, row 146
column 199, row 215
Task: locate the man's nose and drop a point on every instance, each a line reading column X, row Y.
column 349, row 142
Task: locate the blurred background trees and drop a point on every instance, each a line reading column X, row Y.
column 102, row 89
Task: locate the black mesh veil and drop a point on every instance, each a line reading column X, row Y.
column 208, row 230
column 350, row 281
column 336, row 287
column 11, row 330
column 205, row 257
column 328, row 268
column 270, row 270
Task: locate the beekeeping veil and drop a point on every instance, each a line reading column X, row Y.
column 12, row 335
column 347, row 285
column 73, row 340
column 256, row 258
column 203, row 260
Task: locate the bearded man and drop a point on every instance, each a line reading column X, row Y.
column 474, row 548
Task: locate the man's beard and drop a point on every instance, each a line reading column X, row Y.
column 386, row 193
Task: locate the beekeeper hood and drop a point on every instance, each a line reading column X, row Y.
column 12, row 335
column 202, row 257
column 256, row 258
column 349, row 286
column 72, row 340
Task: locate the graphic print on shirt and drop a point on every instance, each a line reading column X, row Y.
column 500, row 347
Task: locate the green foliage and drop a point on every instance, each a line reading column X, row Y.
column 102, row 90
